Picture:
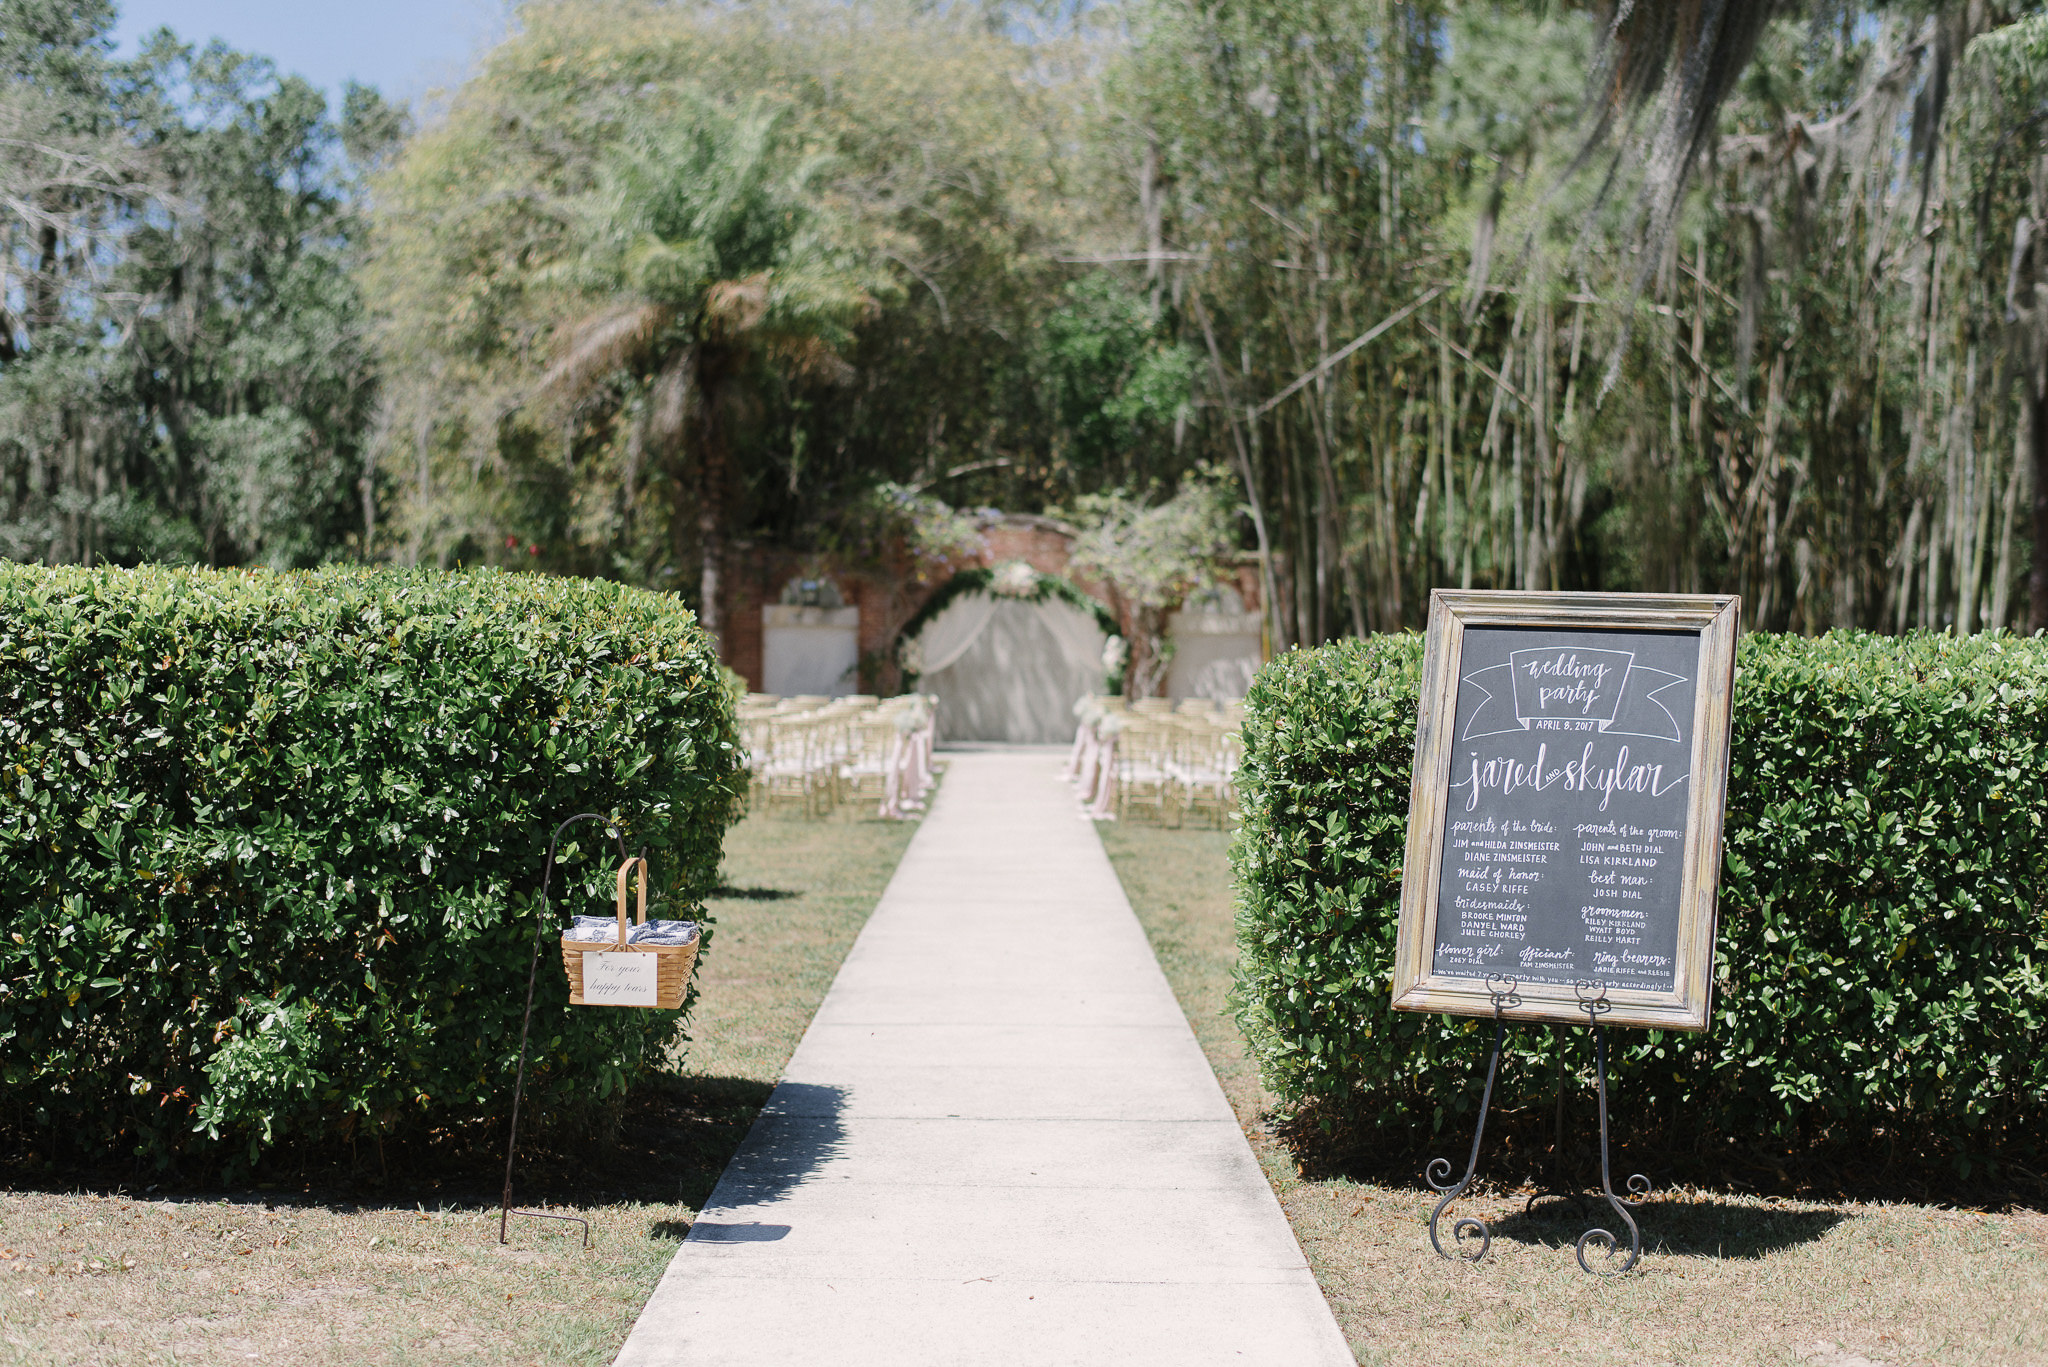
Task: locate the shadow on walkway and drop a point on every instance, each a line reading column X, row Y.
column 797, row 1133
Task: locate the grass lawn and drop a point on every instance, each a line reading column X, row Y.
column 409, row 1270
column 1725, row 1278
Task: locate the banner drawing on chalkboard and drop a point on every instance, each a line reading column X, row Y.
column 1574, row 690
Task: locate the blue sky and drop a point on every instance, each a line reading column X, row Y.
column 403, row 47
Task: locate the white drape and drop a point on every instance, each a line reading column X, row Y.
column 1080, row 639
column 1016, row 680
column 951, row 633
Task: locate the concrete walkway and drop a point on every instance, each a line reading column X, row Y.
column 998, row 1141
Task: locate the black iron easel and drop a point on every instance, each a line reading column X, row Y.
column 1593, row 1001
column 505, row 1211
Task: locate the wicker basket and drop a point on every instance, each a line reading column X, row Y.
column 672, row 962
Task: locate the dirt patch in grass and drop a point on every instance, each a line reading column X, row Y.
column 1734, row 1277
column 348, row 1269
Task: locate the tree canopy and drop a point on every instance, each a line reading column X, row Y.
column 184, row 372
column 1753, row 307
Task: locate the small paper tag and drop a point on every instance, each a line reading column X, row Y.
column 619, row 979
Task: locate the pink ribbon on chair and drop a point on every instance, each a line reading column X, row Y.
column 1105, row 781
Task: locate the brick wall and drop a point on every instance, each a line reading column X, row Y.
column 889, row 596
column 744, row 595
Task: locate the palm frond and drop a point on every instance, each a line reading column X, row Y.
column 809, row 358
column 669, row 272
column 668, row 402
column 734, row 308
column 601, row 344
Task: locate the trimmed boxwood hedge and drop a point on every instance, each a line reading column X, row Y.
column 1882, row 963
column 269, row 844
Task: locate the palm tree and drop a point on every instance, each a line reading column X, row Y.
column 702, row 252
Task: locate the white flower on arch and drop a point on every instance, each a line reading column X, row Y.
column 1014, row 579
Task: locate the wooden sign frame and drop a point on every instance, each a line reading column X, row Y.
column 1416, row 987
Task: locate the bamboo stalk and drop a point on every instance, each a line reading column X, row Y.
column 1268, row 584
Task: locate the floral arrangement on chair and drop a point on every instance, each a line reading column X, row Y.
column 1014, row 579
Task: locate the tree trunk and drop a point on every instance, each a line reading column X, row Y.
column 710, row 538
column 711, row 480
column 1247, row 456
column 2037, row 577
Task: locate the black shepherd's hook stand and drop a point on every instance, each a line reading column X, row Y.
column 1593, row 1001
column 1503, row 996
column 505, row 1211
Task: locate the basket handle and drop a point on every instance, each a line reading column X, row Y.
column 625, row 869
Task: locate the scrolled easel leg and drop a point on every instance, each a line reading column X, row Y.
column 1439, row 1169
column 1638, row 1185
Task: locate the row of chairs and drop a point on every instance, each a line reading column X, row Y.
column 817, row 753
column 1157, row 758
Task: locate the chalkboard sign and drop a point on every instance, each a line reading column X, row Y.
column 1564, row 827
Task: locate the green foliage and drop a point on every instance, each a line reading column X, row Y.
column 270, row 846
column 1154, row 555
column 902, row 519
column 1882, row 961
column 2017, row 56
column 1119, row 385
column 703, row 260
column 183, row 374
column 659, row 275
column 882, row 164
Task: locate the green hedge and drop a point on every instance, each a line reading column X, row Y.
column 1882, row 964
column 269, row 844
